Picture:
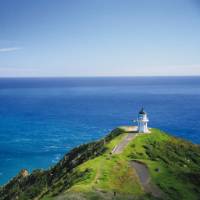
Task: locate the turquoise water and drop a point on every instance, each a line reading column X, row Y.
column 42, row 119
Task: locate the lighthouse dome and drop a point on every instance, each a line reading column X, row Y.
column 142, row 112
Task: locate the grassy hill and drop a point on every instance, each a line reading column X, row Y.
column 151, row 166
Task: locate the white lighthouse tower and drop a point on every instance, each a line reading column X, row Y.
column 142, row 122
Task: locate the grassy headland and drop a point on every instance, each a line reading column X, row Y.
column 92, row 171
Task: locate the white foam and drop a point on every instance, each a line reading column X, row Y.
column 57, row 158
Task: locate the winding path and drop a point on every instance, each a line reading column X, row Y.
column 140, row 168
column 120, row 147
column 145, row 179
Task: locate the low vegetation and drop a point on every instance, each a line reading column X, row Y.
column 174, row 164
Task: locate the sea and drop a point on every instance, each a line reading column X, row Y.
column 41, row 119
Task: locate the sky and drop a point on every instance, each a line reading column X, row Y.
column 41, row 38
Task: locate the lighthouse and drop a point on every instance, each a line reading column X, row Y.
column 142, row 122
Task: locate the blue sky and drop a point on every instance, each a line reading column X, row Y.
column 99, row 37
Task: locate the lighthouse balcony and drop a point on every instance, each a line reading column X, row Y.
column 143, row 119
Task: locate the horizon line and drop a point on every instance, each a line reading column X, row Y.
column 98, row 76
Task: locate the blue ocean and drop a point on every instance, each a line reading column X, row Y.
column 43, row 118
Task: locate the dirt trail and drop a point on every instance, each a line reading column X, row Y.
column 145, row 179
column 120, row 147
column 140, row 168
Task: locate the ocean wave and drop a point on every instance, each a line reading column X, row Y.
column 57, row 158
column 50, row 148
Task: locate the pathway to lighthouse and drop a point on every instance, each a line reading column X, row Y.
column 120, row 147
column 140, row 168
column 145, row 179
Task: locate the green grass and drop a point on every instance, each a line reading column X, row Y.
column 113, row 173
column 166, row 157
column 174, row 166
column 108, row 173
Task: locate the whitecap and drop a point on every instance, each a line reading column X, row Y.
column 51, row 147
column 57, row 158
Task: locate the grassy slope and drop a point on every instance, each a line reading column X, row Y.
column 92, row 172
column 106, row 174
column 58, row 178
column 109, row 173
column 171, row 163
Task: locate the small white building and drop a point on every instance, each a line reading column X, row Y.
column 142, row 122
